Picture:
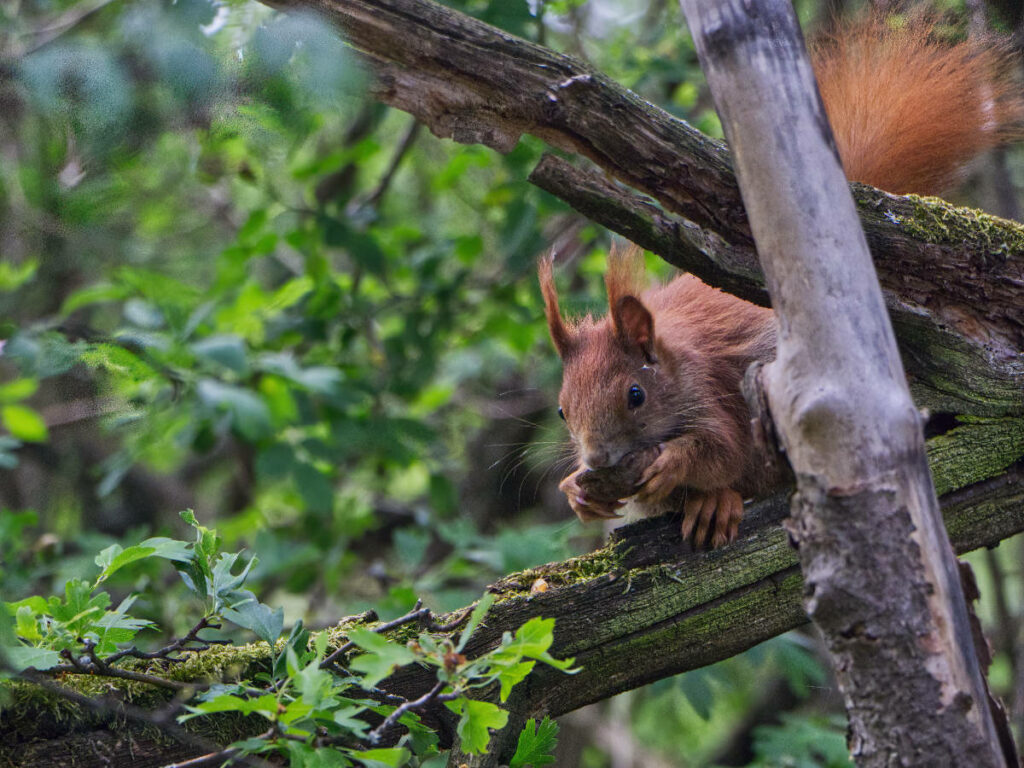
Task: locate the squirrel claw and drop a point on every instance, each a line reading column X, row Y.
column 724, row 507
column 661, row 477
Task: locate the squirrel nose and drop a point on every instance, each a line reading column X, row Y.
column 596, row 458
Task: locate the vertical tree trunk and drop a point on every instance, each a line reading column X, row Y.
column 881, row 578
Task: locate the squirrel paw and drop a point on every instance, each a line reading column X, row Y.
column 586, row 507
column 663, row 475
column 724, row 506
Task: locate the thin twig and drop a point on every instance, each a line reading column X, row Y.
column 434, row 694
column 64, row 23
column 96, row 666
column 385, row 182
column 415, row 614
column 178, row 645
column 418, row 613
column 214, row 757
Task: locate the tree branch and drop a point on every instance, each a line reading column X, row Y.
column 643, row 608
column 474, row 83
column 882, row 582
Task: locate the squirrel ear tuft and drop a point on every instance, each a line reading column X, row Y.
column 556, row 326
column 634, row 326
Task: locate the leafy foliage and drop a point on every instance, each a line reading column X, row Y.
column 315, row 715
column 536, row 744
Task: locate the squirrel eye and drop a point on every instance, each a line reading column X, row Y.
column 561, row 413
column 636, row 397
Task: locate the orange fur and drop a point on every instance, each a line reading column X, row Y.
column 908, row 110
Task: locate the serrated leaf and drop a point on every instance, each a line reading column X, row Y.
column 223, row 582
column 258, row 617
column 533, row 639
column 512, row 676
column 381, row 657
column 114, row 557
column 536, row 744
column 79, row 607
column 21, row 657
column 477, row 718
column 475, row 618
column 26, row 624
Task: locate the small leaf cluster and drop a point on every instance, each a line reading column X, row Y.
column 318, row 712
column 56, row 629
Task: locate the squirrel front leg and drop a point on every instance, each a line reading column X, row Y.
column 677, row 465
column 587, row 508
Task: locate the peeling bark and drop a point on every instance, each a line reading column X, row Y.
column 881, row 580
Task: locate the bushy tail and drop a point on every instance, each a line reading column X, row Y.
column 908, row 110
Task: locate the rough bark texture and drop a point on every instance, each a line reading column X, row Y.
column 881, row 580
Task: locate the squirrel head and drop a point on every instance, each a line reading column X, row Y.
column 620, row 389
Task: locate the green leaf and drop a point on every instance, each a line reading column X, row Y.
column 118, row 361
column 18, row 389
column 533, row 640
column 22, row 657
column 24, row 423
column 26, row 625
column 477, row 718
column 697, row 689
column 392, row 757
column 228, row 702
column 79, row 607
column 117, row 627
column 228, row 351
column 512, row 676
column 249, row 414
column 224, row 583
column 536, row 744
column 261, row 619
column 113, row 558
column 13, row 276
column 314, row 487
column 169, row 549
column 474, row 620
column 94, row 294
column 381, row 658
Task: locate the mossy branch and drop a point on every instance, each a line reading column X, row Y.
column 642, row 608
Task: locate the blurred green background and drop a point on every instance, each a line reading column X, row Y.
column 232, row 282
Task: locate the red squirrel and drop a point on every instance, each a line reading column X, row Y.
column 661, row 373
